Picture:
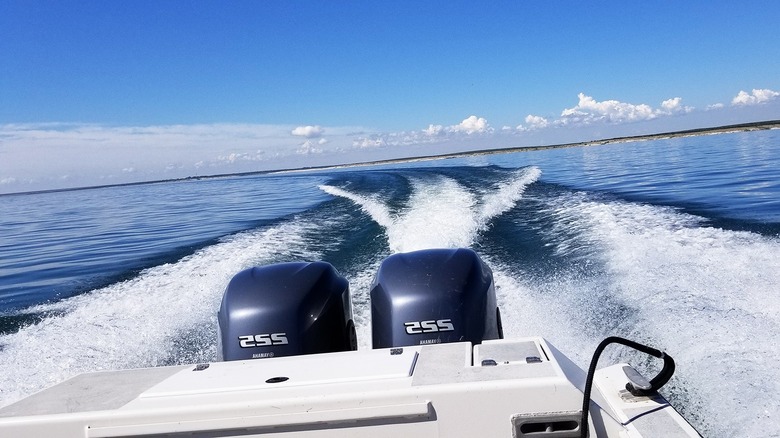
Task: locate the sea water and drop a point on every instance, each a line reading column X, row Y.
column 674, row 243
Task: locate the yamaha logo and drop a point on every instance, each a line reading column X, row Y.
column 262, row 340
column 432, row 326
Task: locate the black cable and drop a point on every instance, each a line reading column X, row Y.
column 657, row 382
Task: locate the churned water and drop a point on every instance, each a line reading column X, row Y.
column 673, row 242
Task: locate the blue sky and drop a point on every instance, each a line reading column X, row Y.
column 96, row 92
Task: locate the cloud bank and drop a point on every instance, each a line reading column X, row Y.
column 754, row 98
column 470, row 125
column 589, row 111
column 57, row 155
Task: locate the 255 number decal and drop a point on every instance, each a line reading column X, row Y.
column 432, row 326
column 262, row 340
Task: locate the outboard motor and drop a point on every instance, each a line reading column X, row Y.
column 285, row 309
column 433, row 296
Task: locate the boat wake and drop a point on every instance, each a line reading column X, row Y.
column 164, row 316
column 571, row 266
column 441, row 212
column 666, row 278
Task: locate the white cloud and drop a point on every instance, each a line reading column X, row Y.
column 715, row 106
column 233, row 157
column 674, row 106
column 374, row 141
column 588, row 110
column 671, row 104
column 535, row 122
column 434, row 130
column 471, row 125
column 756, row 97
column 308, row 131
column 309, row 147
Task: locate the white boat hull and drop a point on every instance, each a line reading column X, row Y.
column 502, row 388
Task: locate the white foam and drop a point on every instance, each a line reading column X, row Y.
column 706, row 295
column 370, row 205
column 360, row 288
column 506, row 194
column 147, row 321
column 530, row 308
column 441, row 212
column 439, row 215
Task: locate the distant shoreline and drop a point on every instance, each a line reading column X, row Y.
column 742, row 127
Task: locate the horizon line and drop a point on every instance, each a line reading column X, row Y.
column 725, row 129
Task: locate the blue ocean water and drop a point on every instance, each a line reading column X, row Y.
column 671, row 242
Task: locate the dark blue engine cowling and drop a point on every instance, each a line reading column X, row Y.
column 433, row 296
column 285, row 309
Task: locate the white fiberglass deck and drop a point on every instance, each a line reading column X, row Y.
column 521, row 388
